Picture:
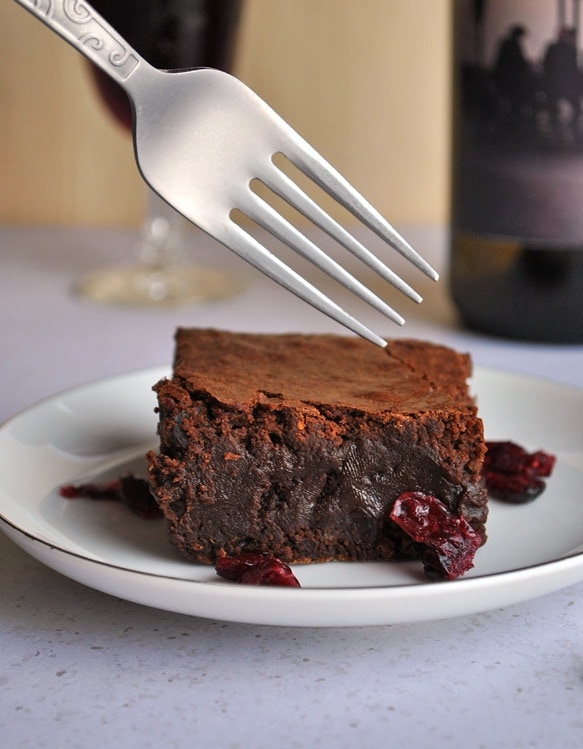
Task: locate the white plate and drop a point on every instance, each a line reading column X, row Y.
column 104, row 429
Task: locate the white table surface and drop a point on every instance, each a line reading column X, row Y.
column 79, row 668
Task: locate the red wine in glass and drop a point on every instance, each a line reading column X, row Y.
column 171, row 35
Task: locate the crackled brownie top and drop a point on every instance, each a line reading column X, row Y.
column 316, row 370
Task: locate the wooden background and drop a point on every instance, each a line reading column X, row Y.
column 365, row 81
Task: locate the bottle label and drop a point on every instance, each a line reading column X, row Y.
column 518, row 120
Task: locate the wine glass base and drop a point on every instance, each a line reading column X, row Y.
column 164, row 287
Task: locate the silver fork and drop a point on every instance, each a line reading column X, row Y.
column 201, row 137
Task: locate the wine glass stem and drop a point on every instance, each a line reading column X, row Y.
column 163, row 237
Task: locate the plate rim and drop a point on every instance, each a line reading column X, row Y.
column 289, row 607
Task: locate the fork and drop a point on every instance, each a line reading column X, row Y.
column 201, row 137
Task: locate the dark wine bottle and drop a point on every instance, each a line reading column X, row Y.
column 516, row 264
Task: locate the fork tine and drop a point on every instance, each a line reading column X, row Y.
column 260, row 211
column 247, row 247
column 281, row 184
column 309, row 161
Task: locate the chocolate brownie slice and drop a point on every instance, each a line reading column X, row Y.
column 298, row 445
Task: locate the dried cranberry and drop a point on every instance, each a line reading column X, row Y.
column 135, row 493
column 256, row 569
column 514, row 488
column 270, row 572
column 90, row 490
column 505, row 457
column 132, row 491
column 513, row 474
column 231, row 568
column 542, row 463
column 449, row 541
column 508, row 457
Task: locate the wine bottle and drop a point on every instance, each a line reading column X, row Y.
column 516, row 262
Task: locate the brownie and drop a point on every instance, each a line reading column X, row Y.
column 298, row 445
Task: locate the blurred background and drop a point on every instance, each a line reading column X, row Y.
column 366, row 82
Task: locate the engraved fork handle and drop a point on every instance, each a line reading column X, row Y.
column 82, row 27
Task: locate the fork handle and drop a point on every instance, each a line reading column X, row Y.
column 77, row 23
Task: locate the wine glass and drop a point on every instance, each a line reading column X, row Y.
column 169, row 34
